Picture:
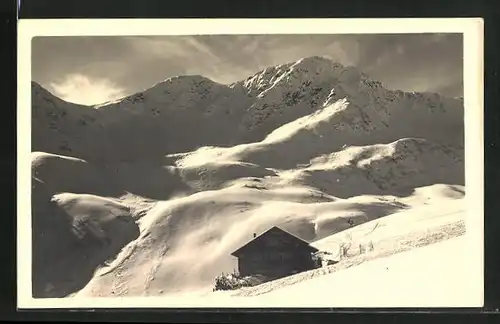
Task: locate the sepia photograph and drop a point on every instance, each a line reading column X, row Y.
column 237, row 163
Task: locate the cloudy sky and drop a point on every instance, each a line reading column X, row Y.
column 91, row 70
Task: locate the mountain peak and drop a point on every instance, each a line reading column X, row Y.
column 35, row 84
column 184, row 82
column 317, row 70
column 317, row 60
column 39, row 90
column 194, row 78
column 314, row 66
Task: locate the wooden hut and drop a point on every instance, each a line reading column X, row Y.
column 274, row 254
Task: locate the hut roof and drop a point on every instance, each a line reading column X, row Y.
column 272, row 231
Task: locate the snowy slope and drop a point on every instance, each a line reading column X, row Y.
column 398, row 265
column 186, row 242
column 405, row 279
column 399, row 280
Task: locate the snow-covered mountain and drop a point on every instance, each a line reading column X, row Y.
column 181, row 114
column 155, row 190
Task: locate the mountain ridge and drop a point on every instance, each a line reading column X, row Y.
column 197, row 102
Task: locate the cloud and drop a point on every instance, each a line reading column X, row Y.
column 78, row 88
